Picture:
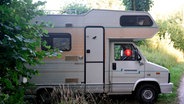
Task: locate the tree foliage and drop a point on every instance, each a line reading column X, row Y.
column 105, row 4
column 75, row 8
column 138, row 5
column 79, row 7
column 173, row 26
column 19, row 39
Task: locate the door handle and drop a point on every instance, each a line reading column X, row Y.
column 88, row 51
column 113, row 66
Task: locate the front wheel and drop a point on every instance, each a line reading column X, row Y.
column 147, row 94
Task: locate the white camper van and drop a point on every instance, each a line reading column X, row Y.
column 99, row 55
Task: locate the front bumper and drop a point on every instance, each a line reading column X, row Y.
column 166, row 87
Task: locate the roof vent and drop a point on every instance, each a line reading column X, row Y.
column 68, row 25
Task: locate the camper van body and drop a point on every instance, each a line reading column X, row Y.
column 92, row 60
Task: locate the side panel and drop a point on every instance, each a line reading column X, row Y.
column 57, row 72
column 69, row 69
column 94, row 55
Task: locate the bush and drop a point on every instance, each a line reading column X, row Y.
column 19, row 39
column 173, row 26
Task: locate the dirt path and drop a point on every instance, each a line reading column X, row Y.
column 181, row 92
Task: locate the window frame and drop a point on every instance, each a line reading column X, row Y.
column 126, row 20
column 49, row 38
column 133, row 48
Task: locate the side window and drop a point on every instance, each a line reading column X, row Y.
column 135, row 20
column 124, row 52
column 61, row 41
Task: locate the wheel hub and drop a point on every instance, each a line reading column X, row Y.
column 147, row 94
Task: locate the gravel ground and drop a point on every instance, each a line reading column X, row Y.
column 181, row 92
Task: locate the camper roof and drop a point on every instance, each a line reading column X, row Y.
column 132, row 22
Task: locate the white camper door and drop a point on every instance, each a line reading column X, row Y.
column 94, row 55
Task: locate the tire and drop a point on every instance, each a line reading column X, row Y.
column 44, row 96
column 147, row 94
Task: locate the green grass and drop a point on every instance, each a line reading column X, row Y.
column 158, row 56
column 176, row 74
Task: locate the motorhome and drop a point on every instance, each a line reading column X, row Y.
column 99, row 55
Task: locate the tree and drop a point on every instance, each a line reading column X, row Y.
column 173, row 26
column 19, row 40
column 75, row 8
column 105, row 4
column 138, row 5
column 79, row 7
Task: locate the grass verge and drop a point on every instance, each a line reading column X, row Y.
column 176, row 75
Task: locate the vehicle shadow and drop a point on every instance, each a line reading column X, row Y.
column 123, row 99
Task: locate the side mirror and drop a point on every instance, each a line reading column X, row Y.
column 137, row 55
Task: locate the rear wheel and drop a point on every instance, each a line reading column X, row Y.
column 44, row 96
column 147, row 93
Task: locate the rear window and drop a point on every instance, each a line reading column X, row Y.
column 135, row 20
column 61, row 41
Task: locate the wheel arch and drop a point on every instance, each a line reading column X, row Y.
column 41, row 89
column 150, row 81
